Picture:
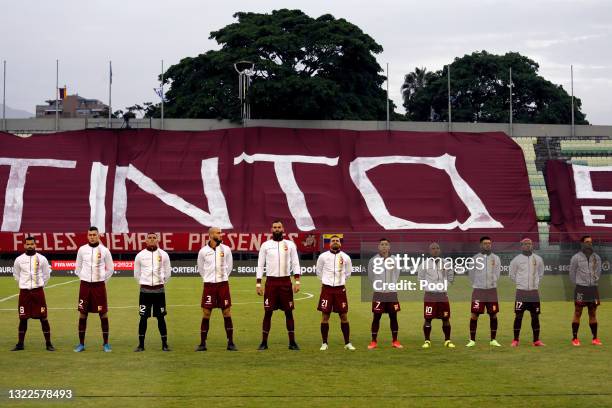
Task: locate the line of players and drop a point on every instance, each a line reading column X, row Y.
column 279, row 261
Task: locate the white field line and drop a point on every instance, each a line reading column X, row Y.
column 307, row 296
column 48, row 287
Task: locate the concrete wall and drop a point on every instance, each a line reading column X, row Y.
column 47, row 125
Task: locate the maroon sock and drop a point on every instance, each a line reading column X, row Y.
column 104, row 324
column 593, row 327
column 82, row 329
column 46, row 329
column 229, row 329
column 375, row 326
column 427, row 329
column 23, row 327
column 204, row 326
column 394, row 325
column 446, row 328
column 473, row 326
column 267, row 324
column 345, row 331
column 290, row 325
column 324, row 331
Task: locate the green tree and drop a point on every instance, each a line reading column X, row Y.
column 480, row 92
column 305, row 68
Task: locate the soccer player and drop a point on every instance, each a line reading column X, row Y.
column 526, row 270
column 31, row 271
column 484, row 276
column 585, row 271
column 436, row 305
column 278, row 257
column 333, row 269
column 152, row 271
column 215, row 265
column 385, row 300
column 94, row 266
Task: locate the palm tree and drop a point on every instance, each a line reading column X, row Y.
column 413, row 82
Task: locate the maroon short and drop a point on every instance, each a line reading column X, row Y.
column 485, row 298
column 278, row 293
column 436, row 306
column 92, row 297
column 333, row 299
column 32, row 304
column 385, row 303
column 216, row 295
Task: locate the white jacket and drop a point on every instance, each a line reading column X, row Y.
column 277, row 259
column 334, row 269
column 152, row 268
column 31, row 272
column 215, row 265
column 94, row 264
column 585, row 271
column 485, row 276
column 527, row 271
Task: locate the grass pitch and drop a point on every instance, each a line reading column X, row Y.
column 552, row 376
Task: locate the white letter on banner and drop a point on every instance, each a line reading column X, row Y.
column 584, row 184
column 283, row 167
column 218, row 216
column 13, row 198
column 584, row 190
column 97, row 196
column 479, row 216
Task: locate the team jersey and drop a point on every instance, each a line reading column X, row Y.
column 527, row 271
column 152, row 268
column 333, row 269
column 433, row 272
column 484, row 274
column 277, row 259
column 585, row 271
column 385, row 275
column 31, row 272
column 94, row 264
column 215, row 265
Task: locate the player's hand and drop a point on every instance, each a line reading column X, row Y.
column 260, row 291
column 296, row 288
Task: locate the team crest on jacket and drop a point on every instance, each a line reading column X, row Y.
column 285, row 247
column 221, row 254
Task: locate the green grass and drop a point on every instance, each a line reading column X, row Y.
column 557, row 375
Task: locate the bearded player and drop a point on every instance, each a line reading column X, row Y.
column 31, row 271
column 278, row 258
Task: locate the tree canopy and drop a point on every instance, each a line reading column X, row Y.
column 480, row 92
column 305, row 68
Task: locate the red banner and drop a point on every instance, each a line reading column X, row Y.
column 58, row 242
column 242, row 179
column 580, row 200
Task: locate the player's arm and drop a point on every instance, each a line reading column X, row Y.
column 16, row 270
column 137, row 270
column 371, row 274
column 79, row 263
column 109, row 265
column 295, row 267
column 541, row 267
column 348, row 265
column 573, row 269
column 46, row 270
column 497, row 269
column 320, row 266
column 201, row 262
column 166, row 267
column 472, row 271
column 450, row 275
column 597, row 272
column 230, row 261
column 513, row 270
column 261, row 261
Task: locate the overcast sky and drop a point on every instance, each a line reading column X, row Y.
column 137, row 34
